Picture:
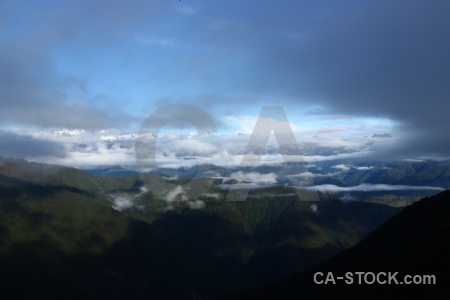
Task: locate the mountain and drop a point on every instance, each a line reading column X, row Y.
column 54, row 175
column 397, row 183
column 340, row 172
column 59, row 241
column 67, row 132
column 274, row 237
column 414, row 242
column 272, row 234
column 404, row 172
column 85, row 223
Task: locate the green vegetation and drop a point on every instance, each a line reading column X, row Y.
column 275, row 235
column 59, row 233
column 62, row 242
column 414, row 242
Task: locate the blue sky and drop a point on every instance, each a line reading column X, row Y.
column 341, row 70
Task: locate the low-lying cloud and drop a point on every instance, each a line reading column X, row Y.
column 369, row 187
column 178, row 196
column 254, row 177
column 173, row 195
column 197, row 204
column 122, row 203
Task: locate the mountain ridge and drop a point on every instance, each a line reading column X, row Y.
column 71, row 213
column 414, row 242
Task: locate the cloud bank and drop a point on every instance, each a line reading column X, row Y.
column 89, row 65
column 368, row 187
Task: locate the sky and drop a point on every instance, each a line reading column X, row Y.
column 79, row 78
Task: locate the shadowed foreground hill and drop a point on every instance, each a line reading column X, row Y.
column 414, row 242
column 60, row 242
column 59, row 234
column 272, row 237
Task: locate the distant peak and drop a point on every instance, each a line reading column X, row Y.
column 67, row 132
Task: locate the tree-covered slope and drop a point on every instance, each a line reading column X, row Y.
column 414, row 242
column 63, row 242
column 70, row 215
column 275, row 233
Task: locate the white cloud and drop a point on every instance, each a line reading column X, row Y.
column 172, row 195
column 413, row 160
column 255, row 177
column 214, row 196
column 177, row 196
column 193, row 146
column 364, row 168
column 197, row 204
column 89, row 149
column 92, row 149
column 122, row 203
column 310, row 175
column 304, row 174
column 368, row 187
column 342, row 167
column 355, row 154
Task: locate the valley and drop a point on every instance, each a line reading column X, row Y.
column 62, row 229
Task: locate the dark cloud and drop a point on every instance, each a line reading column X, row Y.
column 386, row 59
column 382, row 58
column 22, row 146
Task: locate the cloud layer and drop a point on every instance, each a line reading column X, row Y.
column 95, row 66
column 369, row 187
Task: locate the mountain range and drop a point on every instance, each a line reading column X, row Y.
column 414, row 242
column 67, row 233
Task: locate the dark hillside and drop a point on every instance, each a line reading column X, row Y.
column 414, row 242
